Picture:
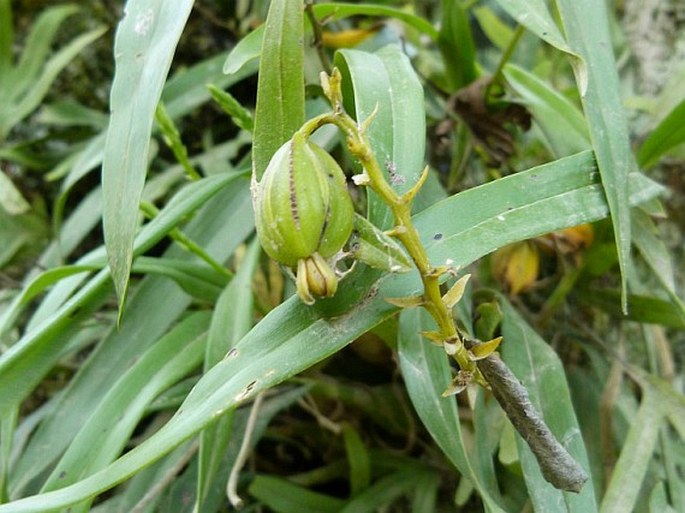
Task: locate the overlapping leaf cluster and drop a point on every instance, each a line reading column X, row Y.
column 129, row 362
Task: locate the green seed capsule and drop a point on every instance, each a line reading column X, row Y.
column 302, row 209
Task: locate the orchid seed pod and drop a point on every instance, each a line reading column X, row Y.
column 304, row 214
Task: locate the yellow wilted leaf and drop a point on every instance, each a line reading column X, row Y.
column 569, row 240
column 577, row 237
column 516, row 265
column 345, row 38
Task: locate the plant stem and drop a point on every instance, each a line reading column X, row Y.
column 404, row 230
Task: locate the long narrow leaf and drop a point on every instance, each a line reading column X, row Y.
column 6, row 41
column 587, row 30
column 426, row 372
column 387, row 80
column 280, row 90
column 142, row 325
column 542, row 373
column 632, row 464
column 561, row 121
column 22, row 106
column 107, row 431
column 143, row 48
column 232, row 319
column 669, row 133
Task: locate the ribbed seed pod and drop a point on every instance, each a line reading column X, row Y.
column 302, row 210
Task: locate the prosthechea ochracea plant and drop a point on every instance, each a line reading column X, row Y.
column 304, row 218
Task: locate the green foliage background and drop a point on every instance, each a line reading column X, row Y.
column 130, row 354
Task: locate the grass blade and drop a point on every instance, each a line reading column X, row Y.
column 635, row 457
column 542, row 373
column 6, row 41
column 534, row 15
column 669, row 133
column 27, row 100
column 282, row 496
column 144, row 46
column 561, row 121
column 247, row 50
column 107, row 431
column 426, row 372
column 140, row 327
column 587, row 30
column 280, row 89
column 232, row 319
column 340, row 10
column 387, row 80
column 456, row 46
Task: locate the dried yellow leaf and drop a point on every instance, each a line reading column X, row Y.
column 345, row 38
column 516, row 265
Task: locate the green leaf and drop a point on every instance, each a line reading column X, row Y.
column 387, row 80
column 340, row 10
column 105, row 434
column 6, row 41
column 669, row 133
column 426, row 371
column 541, row 372
column 635, row 458
column 561, row 121
column 650, row 310
column 456, row 45
column 8, row 423
column 282, row 496
column 144, row 46
column 198, row 280
column 46, row 339
column 656, row 255
column 35, row 287
column 37, row 47
column 247, row 50
column 38, row 87
column 70, row 113
column 535, row 16
column 498, row 32
column 587, row 29
column 24, row 364
column 426, row 494
column 383, row 492
column 280, row 88
column 358, row 459
column 232, row 319
column 11, row 200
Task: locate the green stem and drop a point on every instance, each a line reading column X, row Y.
column 400, row 206
column 186, row 242
column 506, row 56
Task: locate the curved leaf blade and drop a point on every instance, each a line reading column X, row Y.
column 387, row 80
column 427, row 374
column 539, row 368
column 669, row 133
column 280, row 88
column 143, row 48
column 587, row 30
